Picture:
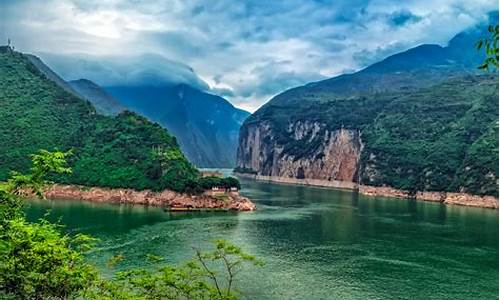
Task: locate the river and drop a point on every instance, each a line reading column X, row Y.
column 317, row 243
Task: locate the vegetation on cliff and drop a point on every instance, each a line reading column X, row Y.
column 427, row 118
column 124, row 151
column 436, row 138
column 441, row 138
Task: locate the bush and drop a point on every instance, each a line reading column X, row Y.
column 37, row 261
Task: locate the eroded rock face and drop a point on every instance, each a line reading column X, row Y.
column 312, row 151
column 167, row 198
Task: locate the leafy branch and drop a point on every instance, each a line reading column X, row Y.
column 490, row 44
column 44, row 163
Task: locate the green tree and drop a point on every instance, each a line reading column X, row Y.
column 490, row 45
column 44, row 163
column 38, row 261
column 209, row 275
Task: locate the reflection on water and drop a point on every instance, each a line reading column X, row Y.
column 318, row 243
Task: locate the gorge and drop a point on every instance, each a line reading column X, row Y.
column 424, row 120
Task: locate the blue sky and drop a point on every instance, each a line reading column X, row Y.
column 245, row 51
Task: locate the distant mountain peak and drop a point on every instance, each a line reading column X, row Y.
column 205, row 125
column 104, row 102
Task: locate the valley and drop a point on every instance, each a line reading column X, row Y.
column 317, row 243
column 255, row 150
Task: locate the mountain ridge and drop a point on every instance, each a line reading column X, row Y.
column 363, row 127
column 104, row 102
column 125, row 151
column 205, row 125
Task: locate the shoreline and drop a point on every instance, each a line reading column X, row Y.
column 170, row 200
column 454, row 198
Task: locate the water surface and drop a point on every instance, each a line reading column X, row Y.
column 317, row 243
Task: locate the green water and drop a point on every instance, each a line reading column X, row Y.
column 317, row 243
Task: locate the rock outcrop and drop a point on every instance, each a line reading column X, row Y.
column 387, row 142
column 166, row 199
column 330, row 155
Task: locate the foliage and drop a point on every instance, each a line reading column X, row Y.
column 44, row 164
column 209, row 275
column 212, row 181
column 37, row 261
column 121, row 151
column 232, row 259
column 490, row 45
column 129, row 152
column 433, row 138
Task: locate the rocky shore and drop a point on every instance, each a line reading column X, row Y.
column 167, row 199
column 444, row 197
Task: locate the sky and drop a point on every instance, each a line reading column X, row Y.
column 244, row 51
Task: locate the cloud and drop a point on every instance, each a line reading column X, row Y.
column 401, row 18
column 247, row 51
column 147, row 69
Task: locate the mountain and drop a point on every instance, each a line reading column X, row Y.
column 83, row 88
column 205, row 125
column 127, row 151
column 48, row 73
column 422, row 119
column 104, row 102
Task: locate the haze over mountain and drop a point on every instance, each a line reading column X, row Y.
column 245, row 51
column 423, row 119
column 83, row 88
column 125, row 150
column 103, row 102
column 205, row 125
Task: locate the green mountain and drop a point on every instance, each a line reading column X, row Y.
column 423, row 119
column 83, row 88
column 122, row 151
column 206, row 125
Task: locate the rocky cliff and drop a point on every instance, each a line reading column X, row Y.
column 438, row 138
column 335, row 157
column 420, row 120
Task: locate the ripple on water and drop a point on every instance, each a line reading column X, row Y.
column 317, row 243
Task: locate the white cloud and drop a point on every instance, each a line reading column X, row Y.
column 247, row 51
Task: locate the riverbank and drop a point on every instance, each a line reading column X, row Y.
column 443, row 197
column 167, row 199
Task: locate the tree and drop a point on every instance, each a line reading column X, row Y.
column 38, row 261
column 490, row 45
column 209, row 275
column 44, row 163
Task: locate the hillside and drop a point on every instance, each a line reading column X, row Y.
column 104, row 103
column 422, row 119
column 83, row 88
column 205, row 125
column 124, row 151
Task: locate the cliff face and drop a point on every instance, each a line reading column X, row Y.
column 206, row 126
column 441, row 138
column 420, row 120
column 332, row 154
